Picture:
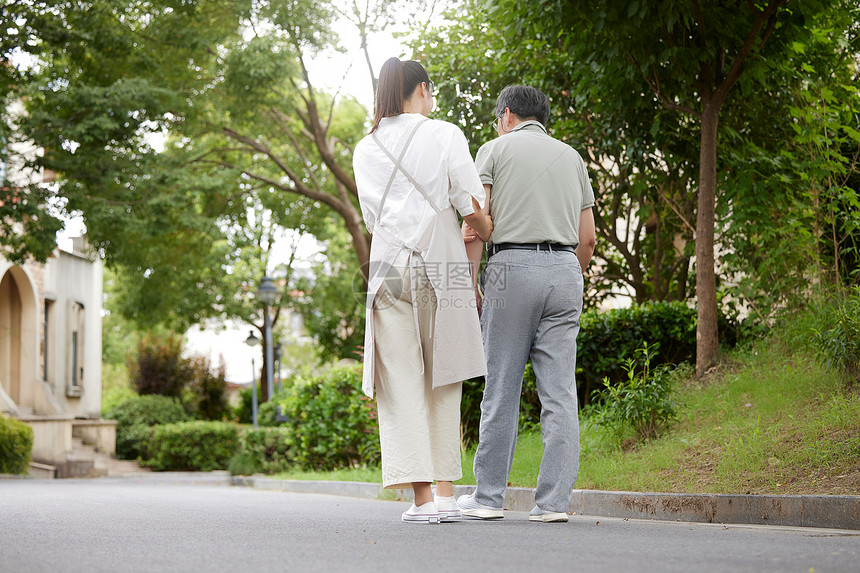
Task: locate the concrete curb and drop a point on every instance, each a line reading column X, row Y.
column 825, row 511
column 833, row 512
column 218, row 477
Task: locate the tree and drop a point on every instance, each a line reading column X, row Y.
column 249, row 138
column 248, row 130
column 28, row 225
column 688, row 56
column 792, row 213
column 643, row 175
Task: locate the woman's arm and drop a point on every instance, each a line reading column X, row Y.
column 480, row 220
column 474, row 243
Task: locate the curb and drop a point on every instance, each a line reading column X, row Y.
column 217, row 477
column 824, row 511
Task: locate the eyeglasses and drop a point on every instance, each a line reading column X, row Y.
column 497, row 120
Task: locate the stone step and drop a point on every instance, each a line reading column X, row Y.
column 42, row 471
column 101, row 463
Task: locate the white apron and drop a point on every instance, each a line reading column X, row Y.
column 458, row 350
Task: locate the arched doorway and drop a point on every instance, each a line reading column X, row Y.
column 18, row 325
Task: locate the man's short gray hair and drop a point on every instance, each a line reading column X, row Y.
column 524, row 102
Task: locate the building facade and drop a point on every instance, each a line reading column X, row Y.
column 51, row 336
column 50, row 354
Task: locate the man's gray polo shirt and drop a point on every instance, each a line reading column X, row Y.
column 540, row 186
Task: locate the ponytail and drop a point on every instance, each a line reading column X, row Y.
column 397, row 82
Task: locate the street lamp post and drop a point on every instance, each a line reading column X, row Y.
column 267, row 294
column 253, row 341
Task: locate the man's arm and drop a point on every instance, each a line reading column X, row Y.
column 587, row 238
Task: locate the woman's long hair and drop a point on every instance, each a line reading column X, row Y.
column 397, row 82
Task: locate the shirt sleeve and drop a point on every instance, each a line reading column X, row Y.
column 585, row 185
column 486, row 163
column 464, row 183
column 359, row 161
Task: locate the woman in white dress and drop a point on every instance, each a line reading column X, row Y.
column 422, row 335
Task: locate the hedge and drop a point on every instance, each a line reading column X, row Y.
column 16, row 446
column 191, row 446
column 334, row 425
column 604, row 343
column 271, row 449
column 135, row 418
column 607, row 339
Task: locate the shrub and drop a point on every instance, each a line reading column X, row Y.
column 159, row 367
column 242, row 412
column 607, row 340
column 266, row 450
column 243, row 464
column 16, row 446
column 837, row 340
column 470, row 411
column 642, row 402
column 206, row 395
column 135, row 418
column 470, row 407
column 605, row 343
column 191, row 446
column 334, row 425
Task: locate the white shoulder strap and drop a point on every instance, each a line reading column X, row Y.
column 398, row 166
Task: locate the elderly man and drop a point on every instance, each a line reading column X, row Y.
column 540, row 201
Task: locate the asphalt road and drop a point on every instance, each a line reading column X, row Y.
column 118, row 526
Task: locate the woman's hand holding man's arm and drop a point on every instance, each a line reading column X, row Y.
column 480, row 221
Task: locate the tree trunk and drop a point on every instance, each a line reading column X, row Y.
column 264, row 379
column 361, row 244
column 707, row 340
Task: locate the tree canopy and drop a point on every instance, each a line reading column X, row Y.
column 190, row 135
column 643, row 90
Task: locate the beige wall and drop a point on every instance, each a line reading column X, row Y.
column 72, row 284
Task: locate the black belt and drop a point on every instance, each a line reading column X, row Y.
column 529, row 247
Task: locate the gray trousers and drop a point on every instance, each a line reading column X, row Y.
column 532, row 304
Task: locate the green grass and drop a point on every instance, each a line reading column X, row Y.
column 773, row 422
column 371, row 474
column 770, row 421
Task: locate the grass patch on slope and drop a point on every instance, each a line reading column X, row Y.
column 770, row 422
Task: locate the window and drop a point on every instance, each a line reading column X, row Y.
column 77, row 321
column 47, row 320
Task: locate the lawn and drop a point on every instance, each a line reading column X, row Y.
column 770, row 420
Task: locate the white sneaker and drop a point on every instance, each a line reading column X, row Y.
column 426, row 513
column 448, row 508
column 537, row 514
column 471, row 508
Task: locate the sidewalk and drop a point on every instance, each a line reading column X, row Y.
column 827, row 511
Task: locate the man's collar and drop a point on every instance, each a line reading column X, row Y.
column 528, row 124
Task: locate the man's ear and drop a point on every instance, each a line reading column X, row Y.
column 506, row 119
